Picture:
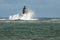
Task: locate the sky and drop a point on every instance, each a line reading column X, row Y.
column 41, row 8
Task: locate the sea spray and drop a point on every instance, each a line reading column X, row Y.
column 14, row 17
column 28, row 16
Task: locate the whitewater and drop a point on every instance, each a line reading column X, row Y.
column 28, row 16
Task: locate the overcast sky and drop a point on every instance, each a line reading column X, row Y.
column 42, row 8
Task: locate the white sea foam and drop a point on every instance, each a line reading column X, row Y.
column 2, row 19
column 27, row 16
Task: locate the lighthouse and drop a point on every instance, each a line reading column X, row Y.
column 25, row 11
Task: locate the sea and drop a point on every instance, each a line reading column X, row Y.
column 42, row 29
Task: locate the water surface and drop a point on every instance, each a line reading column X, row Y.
column 30, row 30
